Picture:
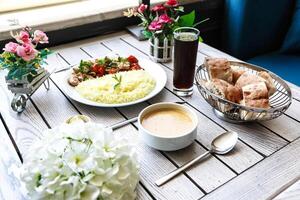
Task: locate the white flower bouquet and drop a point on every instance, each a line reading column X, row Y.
column 81, row 161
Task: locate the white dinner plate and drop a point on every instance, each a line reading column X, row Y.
column 152, row 68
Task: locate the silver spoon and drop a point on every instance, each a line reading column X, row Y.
column 222, row 144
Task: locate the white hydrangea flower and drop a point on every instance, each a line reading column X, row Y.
column 81, row 161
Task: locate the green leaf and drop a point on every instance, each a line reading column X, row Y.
column 147, row 34
column 118, row 80
column 200, row 39
column 187, row 20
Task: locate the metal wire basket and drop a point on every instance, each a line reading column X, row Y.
column 233, row 112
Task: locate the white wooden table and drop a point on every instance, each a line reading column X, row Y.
column 265, row 163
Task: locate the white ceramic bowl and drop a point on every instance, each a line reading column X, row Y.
column 168, row 143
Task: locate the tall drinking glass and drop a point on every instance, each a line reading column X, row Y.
column 185, row 55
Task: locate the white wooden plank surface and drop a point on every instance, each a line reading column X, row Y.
column 142, row 193
column 291, row 193
column 9, row 188
column 264, row 179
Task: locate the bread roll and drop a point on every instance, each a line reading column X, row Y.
column 234, row 94
column 217, row 86
column 255, row 91
column 269, row 82
column 255, row 96
column 236, row 73
column 247, row 79
column 225, row 90
column 219, row 68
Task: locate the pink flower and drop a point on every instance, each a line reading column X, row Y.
column 164, row 18
column 172, row 3
column 142, row 8
column 11, row 47
column 154, row 26
column 23, row 37
column 40, row 37
column 159, row 7
column 26, row 52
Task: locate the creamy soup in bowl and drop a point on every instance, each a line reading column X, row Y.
column 168, row 126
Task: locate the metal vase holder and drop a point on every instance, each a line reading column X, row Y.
column 23, row 88
column 161, row 50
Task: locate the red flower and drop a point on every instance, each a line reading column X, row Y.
column 172, row 3
column 154, row 26
column 159, row 7
column 142, row 8
column 164, row 18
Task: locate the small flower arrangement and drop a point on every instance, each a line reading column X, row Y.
column 81, row 161
column 162, row 19
column 21, row 58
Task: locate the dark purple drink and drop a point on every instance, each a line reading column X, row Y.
column 185, row 55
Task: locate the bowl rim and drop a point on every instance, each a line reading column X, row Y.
column 186, row 109
column 252, row 109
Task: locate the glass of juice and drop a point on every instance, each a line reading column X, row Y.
column 185, row 55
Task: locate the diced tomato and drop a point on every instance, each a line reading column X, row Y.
column 95, row 68
column 132, row 59
column 135, row 66
column 101, row 71
column 112, row 71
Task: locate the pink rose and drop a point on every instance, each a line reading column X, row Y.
column 142, row 8
column 26, row 52
column 11, row 47
column 40, row 37
column 164, row 18
column 154, row 26
column 23, row 37
column 158, row 7
column 172, row 3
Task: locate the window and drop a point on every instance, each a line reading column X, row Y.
column 13, row 5
column 55, row 17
